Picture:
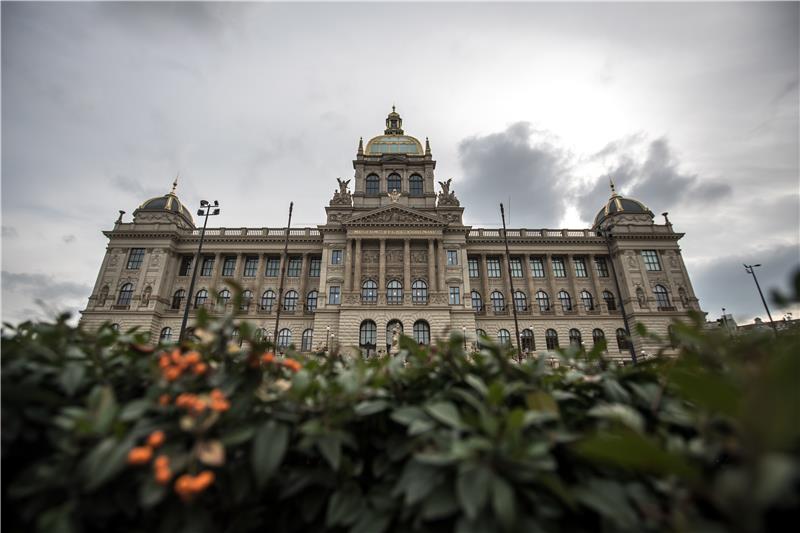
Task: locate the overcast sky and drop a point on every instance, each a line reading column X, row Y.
column 691, row 108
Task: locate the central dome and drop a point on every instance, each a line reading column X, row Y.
column 393, row 140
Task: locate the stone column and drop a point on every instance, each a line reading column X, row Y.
column 598, row 293
column 555, row 304
column 575, row 294
column 382, row 268
column 442, row 265
column 303, row 277
column 431, row 266
column 526, row 268
column 485, row 279
column 357, row 261
column 406, row 268
column 347, row 266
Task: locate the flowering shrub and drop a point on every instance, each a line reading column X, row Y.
column 102, row 432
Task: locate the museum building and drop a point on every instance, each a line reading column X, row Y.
column 394, row 255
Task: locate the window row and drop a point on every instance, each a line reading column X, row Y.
column 290, row 299
column 368, row 333
column 537, row 267
column 528, row 343
column 294, row 266
column 394, row 183
column 498, row 301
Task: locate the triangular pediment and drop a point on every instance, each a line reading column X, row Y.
column 395, row 215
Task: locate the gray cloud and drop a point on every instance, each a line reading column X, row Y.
column 43, row 287
column 724, row 282
column 10, row 232
column 68, row 238
column 134, row 187
column 521, row 162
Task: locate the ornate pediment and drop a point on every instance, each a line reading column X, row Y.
column 395, row 215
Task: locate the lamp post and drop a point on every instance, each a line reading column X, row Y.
column 464, row 334
column 206, row 210
column 327, row 337
column 283, row 272
column 511, row 284
column 607, row 235
column 751, row 270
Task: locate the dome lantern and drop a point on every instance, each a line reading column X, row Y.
column 169, row 205
column 617, row 205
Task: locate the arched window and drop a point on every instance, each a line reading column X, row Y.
column 394, row 292
column 284, row 338
column 598, row 337
column 543, row 301
column 201, row 298
column 103, row 296
column 261, row 335
column 166, row 335
column 481, row 335
column 393, row 183
column 373, row 185
column 368, row 336
column 247, row 299
column 390, row 327
column 223, row 297
column 419, row 292
column 369, row 292
column 477, row 302
column 623, row 343
column 566, row 301
column 551, row 338
column 236, row 336
column 308, row 339
column 526, row 339
column 662, row 296
column 520, row 301
column 504, row 337
column 290, row 301
column 587, row 300
column 125, row 294
column 267, row 300
column 311, row 301
column 422, row 332
column 498, row 301
column 177, row 298
column 415, row 185
column 611, row 302
column 575, row 337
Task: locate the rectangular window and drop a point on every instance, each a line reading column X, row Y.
column 516, row 267
column 229, row 266
column 651, row 260
column 336, row 257
column 250, row 267
column 334, row 296
column 295, row 265
column 493, row 267
column 314, row 267
column 186, row 266
column 474, row 269
column 455, row 296
column 208, row 267
column 537, row 267
column 601, row 266
column 580, row 267
column 135, row 258
column 558, row 267
column 273, row 267
column 452, row 257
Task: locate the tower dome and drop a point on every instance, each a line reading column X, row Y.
column 619, row 205
column 152, row 210
column 393, row 140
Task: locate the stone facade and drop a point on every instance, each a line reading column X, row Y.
column 394, row 230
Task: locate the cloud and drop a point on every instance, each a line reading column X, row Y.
column 10, row 232
column 43, row 287
column 134, row 187
column 723, row 282
column 520, row 162
column 68, row 238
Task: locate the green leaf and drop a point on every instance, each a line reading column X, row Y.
column 103, row 405
column 371, row 407
column 439, row 504
column 372, row 521
column 408, row 415
column 237, row 436
column 269, row 447
column 608, row 499
column 472, row 488
column 330, row 446
column 503, row 502
column 345, row 506
column 151, row 493
column 134, row 410
column 477, row 383
column 624, row 414
column 541, row 401
column 105, row 461
column 71, row 377
column 445, row 412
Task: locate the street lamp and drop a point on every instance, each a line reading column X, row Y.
column 327, row 337
column 751, row 270
column 464, row 334
column 206, row 210
column 607, row 235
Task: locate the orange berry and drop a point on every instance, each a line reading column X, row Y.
column 220, row 405
column 291, row 364
column 163, row 475
column 140, row 455
column 156, row 439
column 199, row 405
column 203, row 480
column 216, row 394
column 192, row 358
column 267, row 358
column 162, row 461
column 176, row 356
column 163, row 361
column 184, row 488
column 199, row 369
column 163, row 399
column 172, row 373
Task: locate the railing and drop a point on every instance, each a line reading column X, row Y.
column 258, row 232
column 481, row 232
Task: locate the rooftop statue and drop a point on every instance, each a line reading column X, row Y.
column 446, row 196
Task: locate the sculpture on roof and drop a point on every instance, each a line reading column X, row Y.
column 342, row 196
column 446, row 196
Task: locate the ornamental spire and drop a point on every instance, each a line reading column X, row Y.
column 175, row 184
column 427, row 147
column 613, row 189
column 394, row 124
column 361, row 146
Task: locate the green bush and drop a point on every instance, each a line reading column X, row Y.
column 430, row 440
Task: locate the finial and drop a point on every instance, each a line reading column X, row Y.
column 613, row 189
column 427, row 146
column 119, row 219
column 175, row 183
column 392, row 108
column 360, row 145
